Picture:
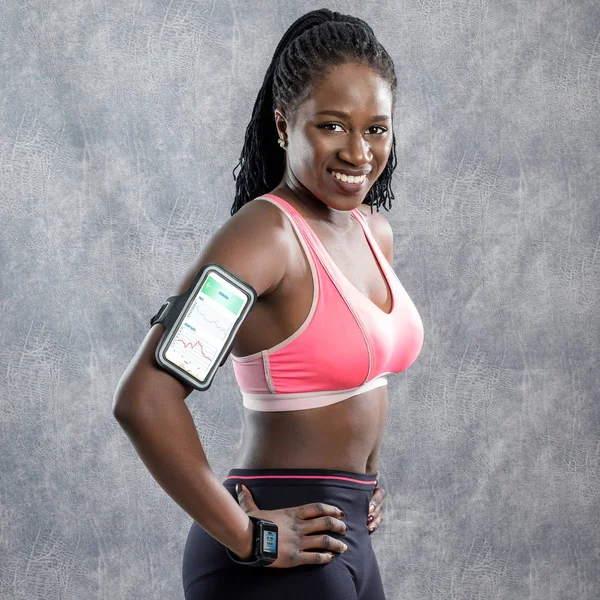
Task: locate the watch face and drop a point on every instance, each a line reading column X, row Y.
column 269, row 540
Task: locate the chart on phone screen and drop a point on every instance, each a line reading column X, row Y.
column 205, row 327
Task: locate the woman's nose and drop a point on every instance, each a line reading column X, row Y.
column 357, row 151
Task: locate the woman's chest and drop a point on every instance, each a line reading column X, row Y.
column 279, row 315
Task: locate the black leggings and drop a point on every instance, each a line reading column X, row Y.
column 208, row 573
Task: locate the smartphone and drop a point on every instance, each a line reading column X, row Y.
column 201, row 325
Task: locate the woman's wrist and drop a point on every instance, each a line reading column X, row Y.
column 245, row 551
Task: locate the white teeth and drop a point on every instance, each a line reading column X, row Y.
column 349, row 178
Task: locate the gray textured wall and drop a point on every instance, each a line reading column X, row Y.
column 120, row 124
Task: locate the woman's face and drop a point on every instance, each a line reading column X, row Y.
column 320, row 142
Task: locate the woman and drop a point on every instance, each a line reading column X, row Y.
column 330, row 321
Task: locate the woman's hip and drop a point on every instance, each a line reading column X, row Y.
column 205, row 561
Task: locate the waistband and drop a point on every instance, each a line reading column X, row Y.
column 302, row 477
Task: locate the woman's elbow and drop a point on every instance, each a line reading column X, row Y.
column 125, row 404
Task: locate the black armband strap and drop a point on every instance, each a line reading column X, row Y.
column 169, row 308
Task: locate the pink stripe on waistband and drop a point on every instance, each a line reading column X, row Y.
column 300, row 477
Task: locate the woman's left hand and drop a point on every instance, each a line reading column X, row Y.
column 374, row 519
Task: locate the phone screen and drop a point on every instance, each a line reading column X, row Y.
column 206, row 326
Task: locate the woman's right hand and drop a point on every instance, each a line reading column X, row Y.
column 295, row 526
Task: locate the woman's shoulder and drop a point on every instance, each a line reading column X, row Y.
column 262, row 207
column 251, row 244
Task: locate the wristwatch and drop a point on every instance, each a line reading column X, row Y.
column 265, row 544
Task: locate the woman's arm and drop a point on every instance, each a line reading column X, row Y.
column 161, row 428
column 149, row 402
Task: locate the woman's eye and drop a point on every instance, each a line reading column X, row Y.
column 324, row 125
column 327, row 125
column 383, row 129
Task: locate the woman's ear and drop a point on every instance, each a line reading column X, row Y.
column 281, row 124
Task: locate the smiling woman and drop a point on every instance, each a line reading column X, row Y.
column 310, row 48
column 331, row 321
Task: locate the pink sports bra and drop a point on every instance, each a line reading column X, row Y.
column 346, row 344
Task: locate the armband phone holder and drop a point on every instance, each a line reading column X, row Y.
column 201, row 325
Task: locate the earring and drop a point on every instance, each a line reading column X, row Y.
column 281, row 142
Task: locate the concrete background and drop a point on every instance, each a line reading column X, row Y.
column 120, row 124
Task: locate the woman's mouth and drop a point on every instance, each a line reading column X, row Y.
column 352, row 185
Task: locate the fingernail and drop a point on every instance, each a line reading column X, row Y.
column 372, row 529
column 369, row 519
column 371, row 508
column 238, row 488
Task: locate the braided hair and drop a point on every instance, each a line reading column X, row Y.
column 315, row 42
